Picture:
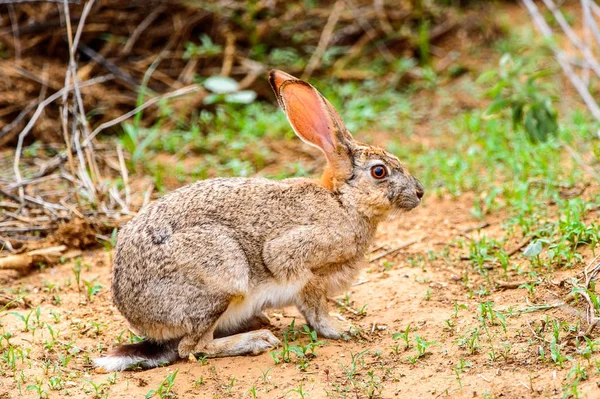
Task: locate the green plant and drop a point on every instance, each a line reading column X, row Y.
column 112, row 380
column 49, row 344
column 491, row 316
column 24, row 319
column 137, row 140
column 226, row 89
column 197, row 382
column 459, row 368
column 206, row 48
column 91, row 288
column 165, row 389
column 100, row 390
column 302, row 352
column 422, row 346
column 64, row 359
column 77, row 272
column 555, row 352
column 457, row 307
column 517, row 87
column 470, row 341
column 265, row 374
column 372, row 386
column 230, row 385
column 38, row 389
column 111, row 243
column 299, row 391
column 404, row 336
column 352, row 370
column 588, row 350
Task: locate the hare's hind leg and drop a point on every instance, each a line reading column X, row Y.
column 210, row 255
column 255, row 322
column 211, row 260
column 249, row 343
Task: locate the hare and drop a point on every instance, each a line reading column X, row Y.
column 194, row 270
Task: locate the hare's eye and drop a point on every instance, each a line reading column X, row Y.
column 379, row 171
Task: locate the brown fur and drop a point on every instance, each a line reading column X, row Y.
column 327, row 178
column 204, row 261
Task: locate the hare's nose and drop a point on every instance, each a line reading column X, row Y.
column 420, row 193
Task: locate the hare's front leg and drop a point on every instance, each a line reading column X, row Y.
column 293, row 254
column 312, row 303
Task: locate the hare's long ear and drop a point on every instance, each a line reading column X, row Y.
column 316, row 122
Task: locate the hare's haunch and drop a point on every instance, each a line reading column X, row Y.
column 194, row 270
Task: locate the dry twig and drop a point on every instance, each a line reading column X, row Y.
column 315, row 59
column 394, row 250
column 23, row 261
column 562, row 59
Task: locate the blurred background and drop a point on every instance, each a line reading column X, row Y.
column 380, row 63
column 175, row 91
column 106, row 105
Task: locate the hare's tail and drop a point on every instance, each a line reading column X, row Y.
column 145, row 354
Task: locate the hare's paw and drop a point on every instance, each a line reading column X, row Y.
column 329, row 332
column 326, row 328
column 263, row 318
column 347, row 328
column 332, row 330
column 249, row 343
column 262, row 341
column 258, row 321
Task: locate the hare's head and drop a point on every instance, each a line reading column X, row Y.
column 372, row 176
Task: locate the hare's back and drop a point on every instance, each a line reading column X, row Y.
column 254, row 206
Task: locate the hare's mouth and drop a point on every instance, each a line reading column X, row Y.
column 406, row 202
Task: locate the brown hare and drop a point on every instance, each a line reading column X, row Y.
column 196, row 268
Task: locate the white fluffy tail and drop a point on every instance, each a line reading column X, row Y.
column 145, row 354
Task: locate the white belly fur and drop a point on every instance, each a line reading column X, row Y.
column 267, row 295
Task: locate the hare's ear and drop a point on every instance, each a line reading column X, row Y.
column 312, row 117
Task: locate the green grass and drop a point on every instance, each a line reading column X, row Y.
column 229, row 139
column 530, row 187
column 494, row 153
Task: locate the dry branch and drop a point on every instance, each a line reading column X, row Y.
column 26, row 260
column 573, row 38
column 64, row 38
column 562, row 59
column 37, row 114
column 394, row 250
column 590, row 274
column 315, row 59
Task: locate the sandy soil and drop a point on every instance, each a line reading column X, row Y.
column 425, row 285
column 422, row 296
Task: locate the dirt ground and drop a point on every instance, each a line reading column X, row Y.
column 420, row 283
column 423, row 298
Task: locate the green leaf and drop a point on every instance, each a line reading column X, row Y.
column 486, row 77
column 497, row 89
column 533, row 249
column 517, row 115
column 213, row 98
column 531, row 125
column 497, row 106
column 20, row 316
column 221, row 84
column 241, row 97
